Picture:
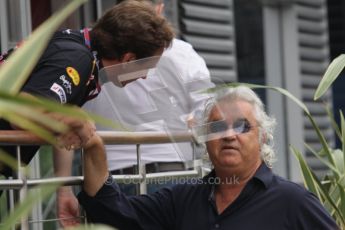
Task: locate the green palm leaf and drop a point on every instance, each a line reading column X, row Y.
column 332, row 72
column 24, row 208
column 325, row 195
column 307, row 174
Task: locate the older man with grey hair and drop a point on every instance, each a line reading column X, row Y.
column 240, row 193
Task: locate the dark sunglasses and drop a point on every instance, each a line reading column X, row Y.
column 239, row 126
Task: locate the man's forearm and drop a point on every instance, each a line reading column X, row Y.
column 63, row 160
column 95, row 166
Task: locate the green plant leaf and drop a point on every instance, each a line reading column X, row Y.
column 307, row 174
column 334, row 194
column 332, row 72
column 12, row 78
column 326, row 182
column 53, row 106
column 11, row 162
column 342, row 199
column 330, row 166
column 342, row 124
column 24, row 208
column 44, row 104
column 333, row 122
column 322, row 139
column 327, row 198
column 338, row 159
column 33, row 114
column 30, row 126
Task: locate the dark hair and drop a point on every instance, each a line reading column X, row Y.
column 131, row 26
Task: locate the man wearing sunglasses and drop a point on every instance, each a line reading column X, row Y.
column 241, row 192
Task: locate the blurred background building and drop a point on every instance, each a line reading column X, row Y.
column 286, row 43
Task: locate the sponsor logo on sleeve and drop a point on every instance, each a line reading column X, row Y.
column 74, row 75
column 66, row 84
column 68, row 31
column 56, row 88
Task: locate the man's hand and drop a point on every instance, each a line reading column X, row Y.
column 82, row 135
column 67, row 207
column 80, row 132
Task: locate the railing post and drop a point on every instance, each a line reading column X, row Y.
column 142, row 172
column 82, row 170
column 11, row 200
column 24, row 189
column 37, row 209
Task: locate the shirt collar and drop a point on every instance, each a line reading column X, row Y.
column 262, row 174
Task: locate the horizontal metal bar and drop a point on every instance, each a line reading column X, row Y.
column 172, row 174
column 77, row 180
column 50, row 220
column 109, row 137
column 54, row 220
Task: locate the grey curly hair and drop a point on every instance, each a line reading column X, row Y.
column 265, row 122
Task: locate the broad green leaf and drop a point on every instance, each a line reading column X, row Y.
column 31, row 114
column 34, row 115
column 40, row 103
column 326, row 197
column 307, row 174
column 53, row 106
column 332, row 72
column 44, row 104
column 334, row 193
column 30, row 126
column 24, row 208
column 28, row 114
column 338, row 159
column 19, row 65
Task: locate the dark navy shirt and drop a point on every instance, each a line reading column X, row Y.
column 266, row 202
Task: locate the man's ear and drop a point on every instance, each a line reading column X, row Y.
column 129, row 56
column 264, row 138
column 159, row 8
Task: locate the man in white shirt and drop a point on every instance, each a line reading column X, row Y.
column 164, row 101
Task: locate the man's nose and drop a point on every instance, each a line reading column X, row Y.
column 229, row 134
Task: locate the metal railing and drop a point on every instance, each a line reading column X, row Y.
column 23, row 184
